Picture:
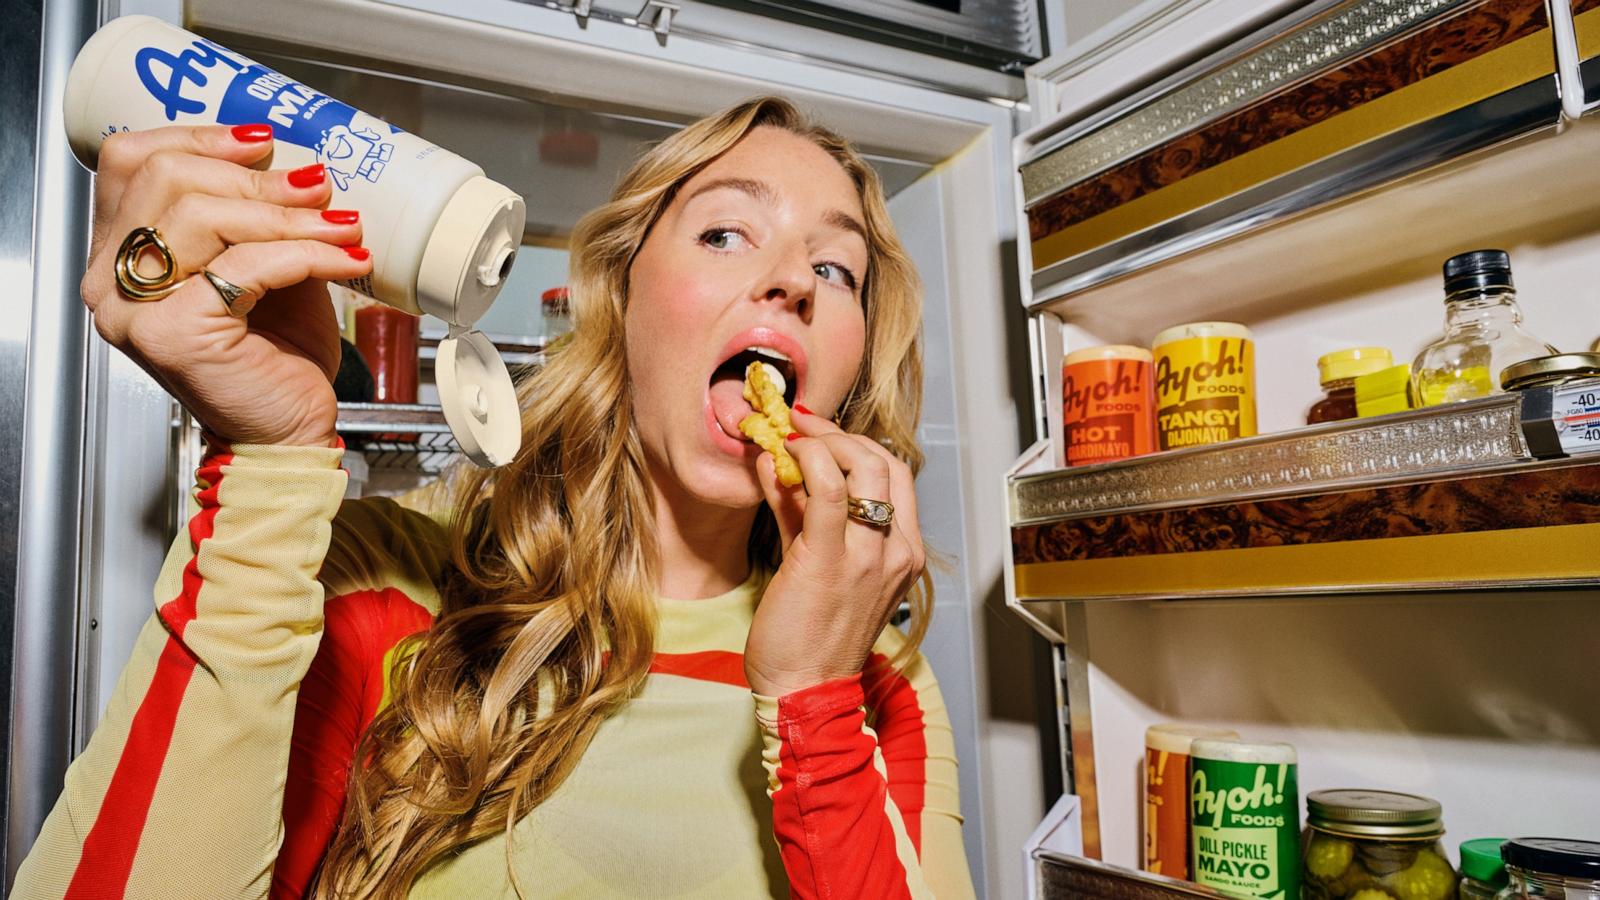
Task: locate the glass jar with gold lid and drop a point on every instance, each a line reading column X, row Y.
column 1550, row 371
column 1374, row 845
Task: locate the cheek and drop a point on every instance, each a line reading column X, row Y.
column 842, row 344
column 665, row 320
column 673, row 302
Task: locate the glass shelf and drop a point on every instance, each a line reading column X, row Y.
column 399, row 436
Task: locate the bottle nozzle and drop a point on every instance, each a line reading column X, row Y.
column 470, row 251
column 498, row 267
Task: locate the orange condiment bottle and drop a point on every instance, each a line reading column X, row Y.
column 1166, row 796
column 1108, row 404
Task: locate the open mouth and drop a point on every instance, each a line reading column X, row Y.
column 727, row 385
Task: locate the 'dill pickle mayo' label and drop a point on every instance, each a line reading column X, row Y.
column 1205, row 384
column 1245, row 819
column 1107, row 404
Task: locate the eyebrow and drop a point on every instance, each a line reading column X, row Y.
column 764, row 193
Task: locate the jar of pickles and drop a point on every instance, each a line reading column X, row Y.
column 1549, row 867
column 1374, row 845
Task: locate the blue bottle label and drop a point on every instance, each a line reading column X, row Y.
column 350, row 143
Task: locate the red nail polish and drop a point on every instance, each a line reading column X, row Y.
column 252, row 134
column 309, row 176
column 341, row 216
column 360, row 254
column 800, row 407
column 792, row 436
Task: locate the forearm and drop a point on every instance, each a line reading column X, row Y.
column 181, row 786
column 838, row 831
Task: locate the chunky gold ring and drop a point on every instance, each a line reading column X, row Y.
column 870, row 512
column 139, row 287
column 238, row 300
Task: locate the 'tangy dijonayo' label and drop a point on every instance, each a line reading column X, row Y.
column 1245, row 828
column 1205, row 391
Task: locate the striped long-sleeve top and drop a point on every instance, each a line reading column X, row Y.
column 219, row 769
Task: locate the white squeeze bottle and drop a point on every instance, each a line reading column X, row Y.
column 442, row 235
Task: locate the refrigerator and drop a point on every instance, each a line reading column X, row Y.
column 553, row 100
column 1056, row 190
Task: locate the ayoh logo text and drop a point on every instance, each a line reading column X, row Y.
column 1207, row 804
column 1196, row 376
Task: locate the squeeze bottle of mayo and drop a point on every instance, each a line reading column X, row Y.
column 442, row 235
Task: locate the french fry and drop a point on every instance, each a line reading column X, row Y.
column 769, row 425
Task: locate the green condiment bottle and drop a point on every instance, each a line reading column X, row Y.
column 1244, row 804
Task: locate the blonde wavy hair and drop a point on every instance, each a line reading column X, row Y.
column 548, row 618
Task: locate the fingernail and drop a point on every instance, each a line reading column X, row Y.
column 309, row 176
column 252, row 134
column 792, row 436
column 360, row 254
column 800, row 407
column 342, row 216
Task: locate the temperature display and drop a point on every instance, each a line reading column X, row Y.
column 1575, row 412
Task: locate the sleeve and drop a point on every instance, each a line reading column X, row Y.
column 866, row 808
column 181, row 787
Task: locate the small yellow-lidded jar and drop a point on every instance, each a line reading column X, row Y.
column 1338, row 372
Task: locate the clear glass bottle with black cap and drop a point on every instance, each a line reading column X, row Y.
column 1483, row 332
column 1551, row 869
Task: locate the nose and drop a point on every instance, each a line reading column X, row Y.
column 791, row 281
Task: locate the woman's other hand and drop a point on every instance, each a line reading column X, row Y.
column 265, row 378
column 841, row 579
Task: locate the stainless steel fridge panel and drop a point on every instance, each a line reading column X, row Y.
column 52, row 429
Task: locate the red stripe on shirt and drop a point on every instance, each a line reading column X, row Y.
column 338, row 699
column 829, row 811
column 898, row 719
column 795, row 843
column 179, row 612
column 108, row 850
column 720, row 666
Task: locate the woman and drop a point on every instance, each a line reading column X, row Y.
column 347, row 699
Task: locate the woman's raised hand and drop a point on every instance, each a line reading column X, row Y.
column 841, row 579
column 265, row 378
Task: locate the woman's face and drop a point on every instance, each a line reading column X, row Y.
column 763, row 250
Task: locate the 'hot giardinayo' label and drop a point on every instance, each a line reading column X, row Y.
column 1205, row 388
column 1244, row 827
column 1106, row 405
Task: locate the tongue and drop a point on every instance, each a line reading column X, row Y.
column 729, row 405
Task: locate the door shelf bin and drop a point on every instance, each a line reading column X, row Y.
column 1063, row 877
column 1445, row 498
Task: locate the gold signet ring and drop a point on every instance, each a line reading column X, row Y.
column 140, row 287
column 871, row 512
column 237, row 299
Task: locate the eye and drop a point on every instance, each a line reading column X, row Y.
column 724, row 238
column 830, row 271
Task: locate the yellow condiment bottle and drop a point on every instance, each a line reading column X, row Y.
column 1205, row 384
